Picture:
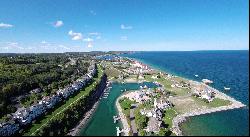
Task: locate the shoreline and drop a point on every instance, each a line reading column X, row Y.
column 75, row 131
column 179, row 119
column 123, row 119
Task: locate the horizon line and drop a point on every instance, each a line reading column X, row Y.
column 121, row 51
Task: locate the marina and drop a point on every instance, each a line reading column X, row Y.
column 116, row 118
column 103, row 121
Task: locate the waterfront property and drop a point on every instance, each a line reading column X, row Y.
column 24, row 116
column 175, row 93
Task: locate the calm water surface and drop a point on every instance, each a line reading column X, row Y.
column 225, row 68
column 101, row 123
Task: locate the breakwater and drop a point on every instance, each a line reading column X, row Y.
column 179, row 119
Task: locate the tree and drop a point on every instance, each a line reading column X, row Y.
column 142, row 132
column 125, row 103
column 162, row 131
column 140, row 120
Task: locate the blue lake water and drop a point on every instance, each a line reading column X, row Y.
column 225, row 68
column 101, row 123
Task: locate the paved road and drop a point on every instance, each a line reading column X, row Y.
column 133, row 125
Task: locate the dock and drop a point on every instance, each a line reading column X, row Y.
column 116, row 118
column 118, row 131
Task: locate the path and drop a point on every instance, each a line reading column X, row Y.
column 123, row 117
column 132, row 119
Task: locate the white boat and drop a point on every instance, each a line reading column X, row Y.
column 225, row 88
column 196, row 75
column 207, row 81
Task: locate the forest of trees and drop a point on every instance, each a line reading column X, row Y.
column 21, row 73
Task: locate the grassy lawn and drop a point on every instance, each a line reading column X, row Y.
column 167, row 84
column 217, row 102
column 85, row 91
column 169, row 114
column 163, row 81
column 112, row 72
column 180, row 91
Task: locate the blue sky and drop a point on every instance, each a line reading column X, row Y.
column 89, row 25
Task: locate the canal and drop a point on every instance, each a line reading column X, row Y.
column 101, row 123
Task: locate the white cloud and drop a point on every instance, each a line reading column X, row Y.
column 92, row 12
column 75, row 35
column 126, row 27
column 88, row 40
column 30, row 48
column 44, row 42
column 58, row 23
column 94, row 33
column 90, row 45
column 5, row 48
column 124, row 38
column 64, row 47
column 98, row 37
column 3, row 25
column 12, row 45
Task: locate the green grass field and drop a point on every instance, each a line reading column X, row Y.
column 217, row 102
column 168, row 116
column 112, row 72
column 70, row 101
column 167, row 84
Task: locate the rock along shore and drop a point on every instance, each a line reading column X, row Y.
column 124, row 121
column 182, row 117
column 75, row 131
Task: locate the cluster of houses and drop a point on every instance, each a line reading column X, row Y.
column 138, row 68
column 204, row 92
column 24, row 116
column 155, row 114
column 181, row 84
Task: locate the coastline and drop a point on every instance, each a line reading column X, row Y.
column 179, row 119
column 123, row 119
column 87, row 116
column 75, row 131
